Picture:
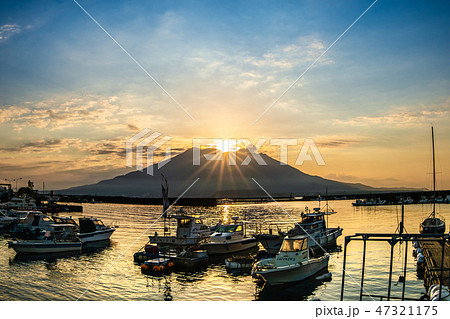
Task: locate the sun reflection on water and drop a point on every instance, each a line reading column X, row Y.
column 226, row 215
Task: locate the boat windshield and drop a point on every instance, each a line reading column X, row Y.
column 184, row 223
column 311, row 218
column 98, row 222
column 294, row 245
column 229, row 228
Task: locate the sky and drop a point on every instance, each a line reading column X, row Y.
column 73, row 90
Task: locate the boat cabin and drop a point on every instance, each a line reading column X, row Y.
column 90, row 225
column 228, row 232
column 61, row 232
column 38, row 220
column 312, row 221
column 188, row 226
column 64, row 220
column 292, row 251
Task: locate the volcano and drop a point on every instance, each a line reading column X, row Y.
column 218, row 179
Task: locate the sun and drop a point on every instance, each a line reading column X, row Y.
column 225, row 145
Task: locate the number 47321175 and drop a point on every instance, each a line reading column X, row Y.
column 410, row 310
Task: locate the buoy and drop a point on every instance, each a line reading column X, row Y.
column 156, row 268
column 161, row 267
column 144, row 267
column 170, row 264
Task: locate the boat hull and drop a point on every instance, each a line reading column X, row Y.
column 42, row 247
column 272, row 243
column 229, row 247
column 432, row 225
column 292, row 273
column 172, row 241
column 100, row 235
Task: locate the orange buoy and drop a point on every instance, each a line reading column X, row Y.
column 144, row 267
column 156, row 268
column 162, row 267
column 170, row 264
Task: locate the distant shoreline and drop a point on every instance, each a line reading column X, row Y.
column 388, row 196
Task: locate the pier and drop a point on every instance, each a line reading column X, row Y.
column 437, row 262
column 435, row 249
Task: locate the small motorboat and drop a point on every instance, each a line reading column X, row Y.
column 239, row 262
column 292, row 263
column 190, row 231
column 157, row 266
column 313, row 225
column 93, row 229
column 229, row 238
column 31, row 226
column 5, row 220
column 60, row 239
column 190, row 260
column 150, row 251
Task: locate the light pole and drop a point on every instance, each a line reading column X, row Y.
column 14, row 180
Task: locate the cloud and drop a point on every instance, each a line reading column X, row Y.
column 334, row 143
column 43, row 145
column 60, row 114
column 7, row 30
column 402, row 116
column 304, row 50
column 133, row 127
column 243, row 70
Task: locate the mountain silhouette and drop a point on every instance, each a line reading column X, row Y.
column 218, row 179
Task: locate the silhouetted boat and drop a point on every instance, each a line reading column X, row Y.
column 313, row 225
column 433, row 224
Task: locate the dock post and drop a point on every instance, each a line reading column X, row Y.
column 362, row 270
column 442, row 267
column 404, row 271
column 346, row 241
column 392, row 242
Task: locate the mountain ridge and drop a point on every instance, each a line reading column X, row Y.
column 218, row 179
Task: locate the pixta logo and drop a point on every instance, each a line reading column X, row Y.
column 143, row 145
column 232, row 145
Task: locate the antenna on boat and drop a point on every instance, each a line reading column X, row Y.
column 165, row 198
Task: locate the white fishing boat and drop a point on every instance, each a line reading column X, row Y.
column 35, row 222
column 93, row 229
column 5, row 220
column 292, row 263
column 433, row 224
column 21, row 203
column 313, row 225
column 229, row 238
column 190, row 231
column 60, row 239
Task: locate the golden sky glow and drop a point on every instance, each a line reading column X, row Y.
column 70, row 101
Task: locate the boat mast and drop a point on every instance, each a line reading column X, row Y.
column 434, row 173
column 326, row 198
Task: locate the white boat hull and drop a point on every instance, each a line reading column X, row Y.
column 44, row 247
column 292, row 273
column 96, row 236
column 229, row 247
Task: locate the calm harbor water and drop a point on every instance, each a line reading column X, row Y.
column 70, row 278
